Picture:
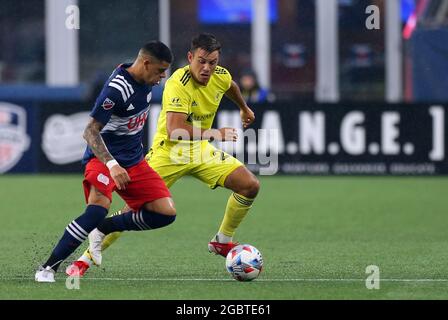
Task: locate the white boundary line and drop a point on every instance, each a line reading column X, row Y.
column 230, row 279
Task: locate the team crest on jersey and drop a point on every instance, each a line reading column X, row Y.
column 103, row 179
column 13, row 138
column 108, row 104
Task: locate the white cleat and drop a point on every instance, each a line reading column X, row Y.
column 95, row 242
column 44, row 274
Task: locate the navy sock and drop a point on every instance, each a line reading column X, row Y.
column 137, row 221
column 75, row 233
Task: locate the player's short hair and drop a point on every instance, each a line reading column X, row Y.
column 157, row 50
column 205, row 41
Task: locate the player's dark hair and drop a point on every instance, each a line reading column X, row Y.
column 205, row 41
column 158, row 50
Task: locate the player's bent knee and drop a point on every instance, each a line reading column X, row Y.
column 98, row 199
column 251, row 188
column 255, row 186
column 105, row 203
column 243, row 182
column 168, row 211
column 163, row 206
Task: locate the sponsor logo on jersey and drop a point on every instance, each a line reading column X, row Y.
column 13, row 138
column 138, row 121
column 202, row 117
column 108, row 104
column 194, row 104
column 131, row 107
column 175, row 102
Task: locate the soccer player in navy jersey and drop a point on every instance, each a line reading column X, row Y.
column 114, row 159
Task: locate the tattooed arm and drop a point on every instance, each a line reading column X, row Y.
column 96, row 143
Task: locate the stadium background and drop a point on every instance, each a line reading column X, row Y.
column 361, row 120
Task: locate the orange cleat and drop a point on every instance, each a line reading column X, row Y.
column 221, row 248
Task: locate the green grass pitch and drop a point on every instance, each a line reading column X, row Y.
column 317, row 236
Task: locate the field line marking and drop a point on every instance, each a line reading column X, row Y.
column 230, row 279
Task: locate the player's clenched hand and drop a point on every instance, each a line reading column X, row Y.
column 120, row 176
column 223, row 134
column 247, row 117
column 228, row 134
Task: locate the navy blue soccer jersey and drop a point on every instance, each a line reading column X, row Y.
column 122, row 107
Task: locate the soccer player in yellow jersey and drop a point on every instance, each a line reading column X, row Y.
column 181, row 145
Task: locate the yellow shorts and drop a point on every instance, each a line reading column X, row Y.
column 200, row 160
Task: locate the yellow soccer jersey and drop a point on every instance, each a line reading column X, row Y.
column 200, row 103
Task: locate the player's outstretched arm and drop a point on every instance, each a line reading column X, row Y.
column 96, row 143
column 234, row 94
column 179, row 129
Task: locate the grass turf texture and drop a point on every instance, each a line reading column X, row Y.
column 317, row 236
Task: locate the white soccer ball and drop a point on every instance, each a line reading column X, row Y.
column 244, row 262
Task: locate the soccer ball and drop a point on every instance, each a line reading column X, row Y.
column 244, row 262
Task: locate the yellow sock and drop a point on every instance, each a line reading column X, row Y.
column 109, row 239
column 237, row 208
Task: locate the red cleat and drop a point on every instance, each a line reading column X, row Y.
column 77, row 268
column 221, row 248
